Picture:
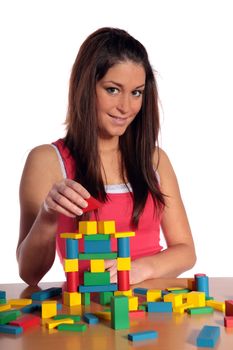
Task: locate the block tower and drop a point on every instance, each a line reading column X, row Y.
column 97, row 248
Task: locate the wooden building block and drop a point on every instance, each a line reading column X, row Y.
column 70, row 265
column 133, row 303
column 90, row 318
column 120, row 312
column 8, row 329
column 72, row 281
column 96, row 278
column 123, row 280
column 138, row 336
column 208, row 336
column 76, row 327
column 105, row 297
column 123, row 247
column 228, row 307
column 216, row 305
column 176, row 299
column 47, row 293
column 51, row 324
column 159, row 306
column 72, row 299
column 49, row 308
column 228, row 321
column 123, row 234
column 19, row 302
column 106, row 227
column 103, row 288
column 90, row 256
column 123, row 264
column 73, row 235
column 97, row 246
column 97, row 265
column 87, row 227
column 72, row 248
column 26, row 321
column 197, row 299
column 153, row 295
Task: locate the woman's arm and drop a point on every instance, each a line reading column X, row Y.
column 43, row 195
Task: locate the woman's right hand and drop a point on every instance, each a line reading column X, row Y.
column 66, row 197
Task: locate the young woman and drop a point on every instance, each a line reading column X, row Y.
column 110, row 152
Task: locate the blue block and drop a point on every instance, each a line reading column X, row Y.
column 2, row 294
column 159, row 306
column 10, row 329
column 71, row 248
column 202, row 284
column 141, row 291
column 208, row 336
column 59, row 306
column 100, row 246
column 90, row 318
column 123, row 247
column 165, row 292
column 29, row 309
column 142, row 335
column 108, row 288
column 46, row 293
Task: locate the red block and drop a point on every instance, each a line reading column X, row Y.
column 136, row 313
column 26, row 321
column 92, row 204
column 228, row 321
column 229, row 307
column 72, row 281
column 123, row 280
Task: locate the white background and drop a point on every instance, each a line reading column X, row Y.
column 189, row 45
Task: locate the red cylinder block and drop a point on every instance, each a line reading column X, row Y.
column 123, row 280
column 72, row 281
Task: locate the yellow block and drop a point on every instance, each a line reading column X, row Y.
column 133, row 303
column 181, row 308
column 71, row 235
column 4, row 307
column 217, row 305
column 123, row 264
column 106, row 227
column 48, row 308
column 70, row 265
column 19, row 302
column 88, row 227
column 127, row 293
column 106, row 315
column 196, row 298
column 153, row 295
column 50, row 324
column 97, row 265
column 175, row 299
column 71, row 298
column 123, row 234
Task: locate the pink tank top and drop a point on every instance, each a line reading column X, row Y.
column 118, row 208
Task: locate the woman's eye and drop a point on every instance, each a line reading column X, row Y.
column 137, row 93
column 112, row 90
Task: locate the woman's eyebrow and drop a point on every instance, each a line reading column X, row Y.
column 120, row 85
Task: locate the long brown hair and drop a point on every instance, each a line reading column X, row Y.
column 99, row 52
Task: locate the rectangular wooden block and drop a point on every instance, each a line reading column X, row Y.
column 70, row 265
column 208, row 336
column 104, row 256
column 97, row 265
column 123, row 264
column 120, row 312
column 71, row 298
column 106, row 227
column 159, row 306
column 137, row 336
column 49, row 308
column 96, row 278
column 87, row 227
column 47, row 293
column 98, row 246
column 105, row 288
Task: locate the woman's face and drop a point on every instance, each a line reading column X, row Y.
column 119, row 98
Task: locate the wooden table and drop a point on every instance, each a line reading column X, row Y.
column 175, row 332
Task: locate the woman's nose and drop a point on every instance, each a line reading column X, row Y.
column 123, row 104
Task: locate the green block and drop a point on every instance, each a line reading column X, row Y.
column 2, row 301
column 142, row 307
column 90, row 256
column 96, row 278
column 209, row 298
column 86, row 298
column 76, row 318
column 98, row 237
column 180, row 291
column 200, row 310
column 105, row 297
column 8, row 316
column 75, row 327
column 120, row 312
